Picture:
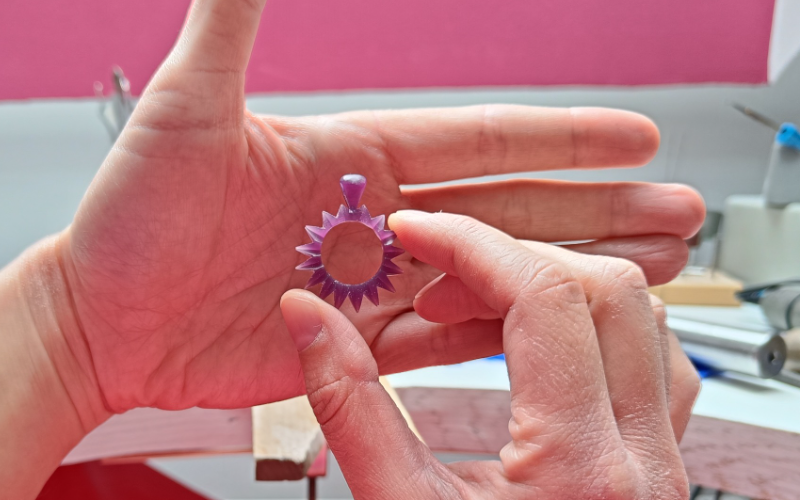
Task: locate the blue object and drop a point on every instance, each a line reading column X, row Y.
column 788, row 136
column 704, row 370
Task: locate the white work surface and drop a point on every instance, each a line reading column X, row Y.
column 763, row 403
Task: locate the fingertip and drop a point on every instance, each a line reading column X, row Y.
column 661, row 208
column 645, row 136
column 688, row 207
column 661, row 256
column 296, row 294
column 694, row 208
column 403, row 217
column 614, row 137
column 302, row 316
column 413, row 229
column 667, row 258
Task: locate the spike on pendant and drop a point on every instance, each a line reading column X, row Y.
column 391, row 252
column 312, row 263
column 371, row 293
column 318, row 277
column 328, row 220
column 356, row 294
column 317, row 233
column 390, row 268
column 313, row 249
column 353, row 186
column 383, row 282
column 387, row 237
column 378, row 223
column 327, row 287
column 339, row 294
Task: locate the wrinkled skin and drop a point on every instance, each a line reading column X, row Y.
column 184, row 243
column 601, row 391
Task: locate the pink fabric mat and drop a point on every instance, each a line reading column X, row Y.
column 60, row 47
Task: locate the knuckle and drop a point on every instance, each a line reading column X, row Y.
column 469, row 230
column 624, row 273
column 544, row 277
column 331, row 397
column 614, row 483
column 328, row 399
column 615, row 281
column 492, row 140
column 626, row 482
column 467, row 225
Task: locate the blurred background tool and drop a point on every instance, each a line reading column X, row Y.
column 756, row 353
column 782, row 184
column 116, row 109
column 780, row 302
column 762, row 232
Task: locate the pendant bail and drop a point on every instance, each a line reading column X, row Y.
column 353, row 186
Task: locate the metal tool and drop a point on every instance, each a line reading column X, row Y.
column 117, row 108
column 756, row 353
column 755, row 115
column 779, row 300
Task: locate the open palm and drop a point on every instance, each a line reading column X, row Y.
column 184, row 244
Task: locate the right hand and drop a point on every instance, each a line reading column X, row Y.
column 601, row 391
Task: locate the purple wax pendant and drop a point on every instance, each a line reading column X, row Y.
column 353, row 186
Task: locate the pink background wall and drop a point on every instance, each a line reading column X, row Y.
column 59, row 48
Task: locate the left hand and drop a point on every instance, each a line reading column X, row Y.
column 178, row 255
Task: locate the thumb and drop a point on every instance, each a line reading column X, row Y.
column 219, row 34
column 201, row 84
column 376, row 450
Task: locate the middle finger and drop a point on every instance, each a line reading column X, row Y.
column 551, row 211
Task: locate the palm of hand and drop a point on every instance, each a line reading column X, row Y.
column 184, row 262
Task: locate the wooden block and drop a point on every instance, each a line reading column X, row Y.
column 287, row 438
column 707, row 289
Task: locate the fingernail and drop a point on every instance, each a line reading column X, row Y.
column 303, row 321
column 409, row 216
column 427, row 287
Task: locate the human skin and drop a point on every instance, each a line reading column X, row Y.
column 164, row 291
column 600, row 390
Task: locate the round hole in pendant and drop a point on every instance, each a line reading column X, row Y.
column 352, row 253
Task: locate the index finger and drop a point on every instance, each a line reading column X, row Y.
column 435, row 145
column 558, row 385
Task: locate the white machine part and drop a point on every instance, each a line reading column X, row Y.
column 760, row 244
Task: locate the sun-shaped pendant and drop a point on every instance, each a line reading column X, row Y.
column 353, row 186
